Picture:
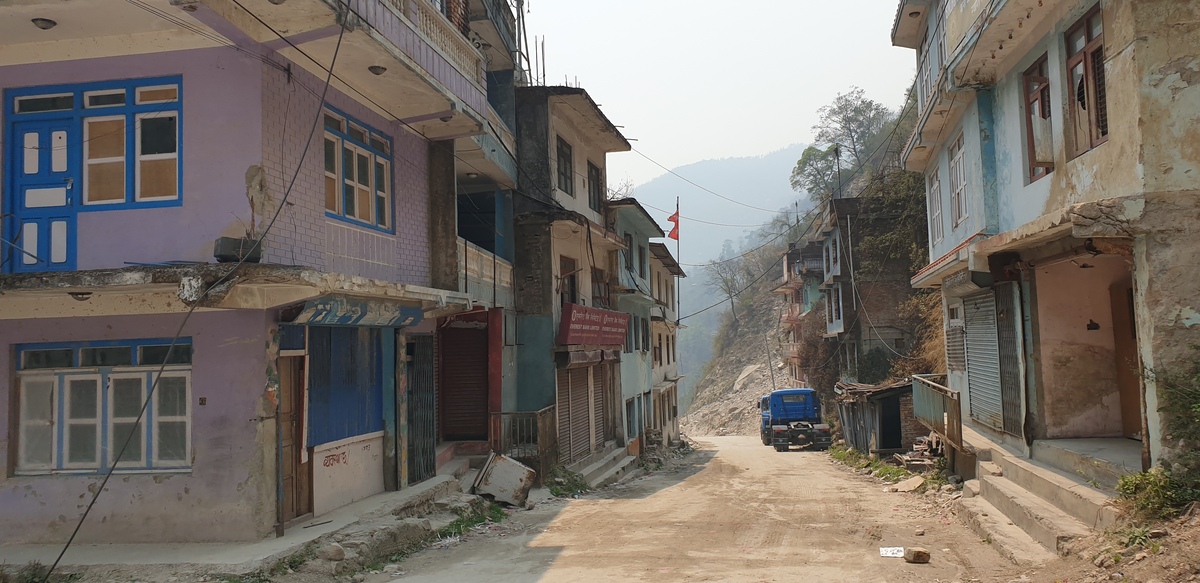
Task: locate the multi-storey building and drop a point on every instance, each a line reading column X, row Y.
column 800, row 287
column 861, row 304
column 1057, row 141
column 664, row 354
column 569, row 333
column 138, row 137
column 634, row 293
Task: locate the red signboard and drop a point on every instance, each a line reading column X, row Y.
column 584, row 325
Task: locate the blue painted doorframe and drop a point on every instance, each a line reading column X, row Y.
column 43, row 187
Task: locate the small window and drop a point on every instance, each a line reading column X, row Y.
column 162, row 94
column 357, row 133
column 628, row 252
column 158, row 354
column 333, row 123
column 641, row 262
column 380, row 144
column 104, row 160
column 43, row 103
column 106, row 356
column 104, row 98
column 55, row 358
column 566, row 168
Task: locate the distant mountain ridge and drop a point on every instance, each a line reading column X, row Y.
column 761, row 181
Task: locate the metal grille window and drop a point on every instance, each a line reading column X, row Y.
column 358, row 175
column 1038, row 133
column 566, row 167
column 1085, row 74
column 956, row 348
column 936, row 228
column 80, row 402
column 958, row 182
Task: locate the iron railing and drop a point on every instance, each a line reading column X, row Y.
column 937, row 407
column 530, row 437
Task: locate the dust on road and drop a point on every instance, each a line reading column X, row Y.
column 738, row 511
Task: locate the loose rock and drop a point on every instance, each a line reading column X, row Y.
column 910, row 484
column 919, row 532
column 916, row 555
column 332, row 552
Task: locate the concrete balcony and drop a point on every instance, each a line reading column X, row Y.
column 487, row 278
column 496, row 28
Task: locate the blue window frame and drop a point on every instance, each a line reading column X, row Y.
column 358, row 172
column 124, row 145
column 79, row 402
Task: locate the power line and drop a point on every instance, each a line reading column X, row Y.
column 736, row 294
column 179, row 333
column 708, row 190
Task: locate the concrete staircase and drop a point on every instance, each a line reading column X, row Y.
column 1031, row 509
column 606, row 466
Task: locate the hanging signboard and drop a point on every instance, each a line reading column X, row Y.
column 584, row 325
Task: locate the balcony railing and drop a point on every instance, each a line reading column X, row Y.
column 485, row 276
column 938, row 407
column 443, row 35
column 528, row 437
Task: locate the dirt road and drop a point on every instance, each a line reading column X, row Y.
column 738, row 512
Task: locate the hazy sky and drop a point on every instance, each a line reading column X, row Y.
column 699, row 79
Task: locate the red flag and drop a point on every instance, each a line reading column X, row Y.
column 674, row 234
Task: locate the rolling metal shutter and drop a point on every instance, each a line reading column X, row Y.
column 983, row 359
column 1008, row 331
column 598, row 374
column 422, row 421
column 563, row 402
column 581, row 442
column 464, row 383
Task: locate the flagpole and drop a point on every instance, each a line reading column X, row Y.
column 679, row 260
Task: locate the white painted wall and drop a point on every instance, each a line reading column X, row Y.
column 346, row 471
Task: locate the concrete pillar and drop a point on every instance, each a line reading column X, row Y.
column 443, row 217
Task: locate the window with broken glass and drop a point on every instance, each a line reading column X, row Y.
column 1038, row 136
column 358, row 172
column 1085, row 74
column 79, row 404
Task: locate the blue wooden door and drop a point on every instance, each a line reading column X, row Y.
column 42, row 196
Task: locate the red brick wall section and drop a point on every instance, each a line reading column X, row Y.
column 910, row 428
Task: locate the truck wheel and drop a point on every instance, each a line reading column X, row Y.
column 766, row 440
column 781, row 448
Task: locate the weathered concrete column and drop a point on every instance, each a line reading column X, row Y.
column 443, row 217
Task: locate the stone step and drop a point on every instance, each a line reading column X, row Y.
column 619, row 470
column 1045, row 523
column 992, row 526
column 1099, row 471
column 970, row 489
column 597, row 469
column 455, row 467
column 1091, row 506
column 990, row 468
column 602, row 453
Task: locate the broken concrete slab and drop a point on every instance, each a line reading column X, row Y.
column 916, row 555
column 332, row 552
column 506, row 480
column 910, row 485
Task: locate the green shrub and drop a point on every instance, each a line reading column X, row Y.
column 1152, row 494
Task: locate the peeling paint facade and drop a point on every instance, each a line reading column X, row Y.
column 1061, row 168
column 131, row 147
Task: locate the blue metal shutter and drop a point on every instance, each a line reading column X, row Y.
column 346, row 383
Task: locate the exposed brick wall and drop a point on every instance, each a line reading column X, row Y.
column 910, row 428
column 304, row 235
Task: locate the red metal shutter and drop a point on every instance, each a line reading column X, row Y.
column 564, row 415
column 464, row 383
column 581, row 443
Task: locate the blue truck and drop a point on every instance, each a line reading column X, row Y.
column 793, row 417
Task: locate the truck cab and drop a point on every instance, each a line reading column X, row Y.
column 793, row 417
